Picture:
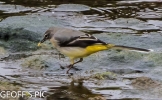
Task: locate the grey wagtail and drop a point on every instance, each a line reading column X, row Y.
column 76, row 44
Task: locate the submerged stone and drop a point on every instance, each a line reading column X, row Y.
column 35, row 62
column 16, row 40
column 72, row 7
column 8, row 8
column 144, row 83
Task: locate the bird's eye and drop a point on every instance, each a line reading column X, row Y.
column 46, row 36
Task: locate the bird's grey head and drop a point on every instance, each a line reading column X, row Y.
column 49, row 34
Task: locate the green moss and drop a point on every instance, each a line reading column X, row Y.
column 7, row 86
column 131, row 55
column 4, row 85
column 104, row 75
column 17, row 45
column 155, row 58
column 2, row 51
column 18, row 39
column 35, row 62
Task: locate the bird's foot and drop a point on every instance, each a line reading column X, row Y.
column 77, row 69
column 74, row 67
column 62, row 67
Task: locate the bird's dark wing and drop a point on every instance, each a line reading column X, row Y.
column 81, row 41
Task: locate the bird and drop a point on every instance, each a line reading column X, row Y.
column 77, row 45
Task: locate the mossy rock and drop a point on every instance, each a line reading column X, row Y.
column 2, row 51
column 19, row 39
column 155, row 58
column 104, row 75
column 7, row 86
column 35, row 62
column 144, row 83
column 18, row 45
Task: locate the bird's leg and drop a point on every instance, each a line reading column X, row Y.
column 72, row 63
column 60, row 56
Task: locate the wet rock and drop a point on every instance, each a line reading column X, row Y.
column 72, row 7
column 4, row 85
column 8, row 86
column 97, row 98
column 18, row 39
column 128, row 21
column 144, row 83
column 35, row 62
column 155, row 58
column 127, row 56
column 15, row 56
column 22, row 33
column 145, row 26
column 33, row 23
column 44, row 61
column 157, row 23
column 9, row 33
column 104, row 75
column 3, row 52
column 149, row 15
column 155, row 72
column 14, row 8
column 125, row 71
column 22, row 45
column 134, row 24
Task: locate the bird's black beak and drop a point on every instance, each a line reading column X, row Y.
column 42, row 40
column 39, row 44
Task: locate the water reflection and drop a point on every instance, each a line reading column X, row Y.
column 102, row 13
column 70, row 92
column 57, row 2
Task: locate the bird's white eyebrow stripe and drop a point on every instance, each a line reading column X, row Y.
column 45, row 34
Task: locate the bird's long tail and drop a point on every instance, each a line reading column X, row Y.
column 127, row 47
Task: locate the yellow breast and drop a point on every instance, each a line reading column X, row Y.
column 73, row 52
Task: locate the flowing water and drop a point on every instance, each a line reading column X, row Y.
column 126, row 22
